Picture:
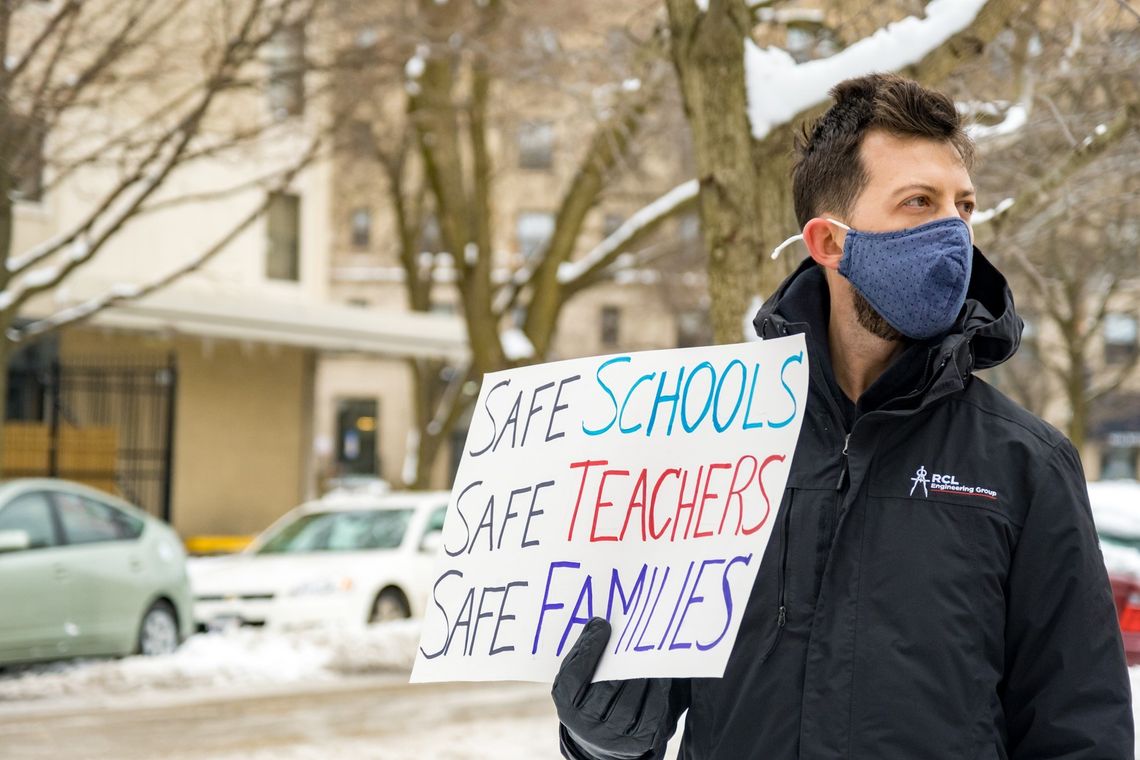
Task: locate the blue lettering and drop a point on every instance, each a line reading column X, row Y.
column 798, row 359
column 721, row 427
column 673, row 397
column 751, row 395
column 638, row 647
column 549, row 605
column 586, row 593
column 639, row 381
column 693, row 599
column 727, row 602
column 610, row 393
column 708, row 399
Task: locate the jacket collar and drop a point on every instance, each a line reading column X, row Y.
column 986, row 333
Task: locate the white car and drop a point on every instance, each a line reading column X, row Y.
column 1116, row 511
column 347, row 559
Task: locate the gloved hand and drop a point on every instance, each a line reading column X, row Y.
column 609, row 720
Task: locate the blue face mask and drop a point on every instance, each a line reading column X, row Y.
column 916, row 278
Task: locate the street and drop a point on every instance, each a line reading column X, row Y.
column 368, row 717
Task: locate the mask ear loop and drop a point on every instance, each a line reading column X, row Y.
column 779, row 249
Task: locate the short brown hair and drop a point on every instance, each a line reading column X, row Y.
column 828, row 173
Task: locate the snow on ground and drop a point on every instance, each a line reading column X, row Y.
column 244, row 658
column 529, row 738
column 233, row 662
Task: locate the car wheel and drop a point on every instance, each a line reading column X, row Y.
column 390, row 604
column 158, row 633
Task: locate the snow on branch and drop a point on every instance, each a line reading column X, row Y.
column 778, row 88
column 516, row 346
column 1015, row 118
column 126, row 291
column 632, row 228
column 981, row 217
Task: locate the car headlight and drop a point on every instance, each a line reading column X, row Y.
column 322, row 587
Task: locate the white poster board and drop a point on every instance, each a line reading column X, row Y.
column 639, row 487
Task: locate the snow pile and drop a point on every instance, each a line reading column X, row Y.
column 779, row 88
column 247, row 658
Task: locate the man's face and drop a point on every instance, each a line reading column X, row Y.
column 911, row 181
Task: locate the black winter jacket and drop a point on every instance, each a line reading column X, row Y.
column 933, row 586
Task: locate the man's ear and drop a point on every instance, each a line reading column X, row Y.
column 824, row 242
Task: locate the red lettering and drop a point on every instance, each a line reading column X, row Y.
column 639, row 489
column 599, row 505
column 764, row 493
column 653, row 504
column 706, row 495
column 689, row 505
column 585, row 465
column 738, row 492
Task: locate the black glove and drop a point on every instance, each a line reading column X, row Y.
column 608, row 720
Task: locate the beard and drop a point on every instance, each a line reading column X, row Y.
column 873, row 322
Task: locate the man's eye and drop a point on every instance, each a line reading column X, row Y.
column 967, row 207
column 919, row 201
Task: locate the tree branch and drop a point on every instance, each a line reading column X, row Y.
column 144, row 176
column 122, row 293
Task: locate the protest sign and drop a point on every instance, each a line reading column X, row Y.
column 640, row 487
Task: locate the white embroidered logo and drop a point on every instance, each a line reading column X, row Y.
column 939, row 483
column 920, row 478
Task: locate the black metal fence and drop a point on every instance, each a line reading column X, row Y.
column 106, row 423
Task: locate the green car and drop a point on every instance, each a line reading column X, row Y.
column 83, row 573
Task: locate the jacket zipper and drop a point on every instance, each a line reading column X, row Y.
column 843, row 465
column 782, row 611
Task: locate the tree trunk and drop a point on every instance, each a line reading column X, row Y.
column 708, row 54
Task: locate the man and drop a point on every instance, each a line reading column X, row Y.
column 933, row 586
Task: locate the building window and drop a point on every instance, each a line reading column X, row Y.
column 357, row 423
column 285, row 55
column 26, row 171
column 693, row 329
column 284, row 223
column 1120, row 337
column 536, row 145
column 533, row 231
column 611, row 326
column 361, row 228
column 611, row 223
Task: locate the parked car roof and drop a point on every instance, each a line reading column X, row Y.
column 350, row 500
column 13, row 486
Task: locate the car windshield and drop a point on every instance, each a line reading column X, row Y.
column 340, row 531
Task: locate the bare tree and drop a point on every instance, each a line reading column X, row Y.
column 1066, row 230
column 131, row 91
column 743, row 102
column 462, row 61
